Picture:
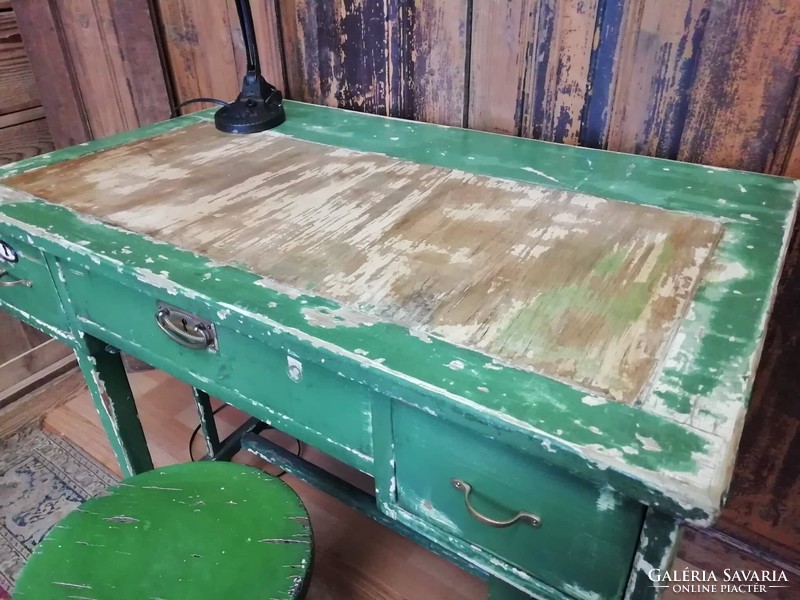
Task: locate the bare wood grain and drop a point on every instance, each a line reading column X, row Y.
column 24, row 140
column 711, row 550
column 18, row 337
column 336, row 53
column 204, row 47
column 476, row 260
column 791, row 167
column 199, row 49
column 17, row 85
column 26, row 355
column 40, row 378
column 58, row 87
column 105, row 67
column 32, row 408
column 29, row 363
column 427, row 53
column 97, row 66
column 265, row 17
column 660, row 49
column 22, row 116
column 530, row 67
column 404, row 59
column 141, row 69
column 15, row 341
column 34, row 336
column 746, row 78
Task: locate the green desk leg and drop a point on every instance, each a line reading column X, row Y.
column 108, row 384
column 207, row 423
column 500, row 590
column 658, row 543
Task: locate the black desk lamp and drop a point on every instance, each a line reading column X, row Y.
column 259, row 106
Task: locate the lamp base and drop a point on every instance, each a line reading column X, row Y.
column 250, row 115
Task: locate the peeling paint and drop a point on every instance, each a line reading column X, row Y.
column 593, row 400
column 648, row 443
column 340, row 317
column 684, row 471
column 607, row 500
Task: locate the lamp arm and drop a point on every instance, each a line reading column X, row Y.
column 249, row 34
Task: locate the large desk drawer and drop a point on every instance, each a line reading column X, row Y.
column 279, row 385
column 585, row 543
column 27, row 288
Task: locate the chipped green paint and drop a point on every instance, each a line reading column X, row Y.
column 653, row 450
column 758, row 210
column 194, row 530
column 636, row 293
column 529, row 402
column 658, row 543
column 112, row 141
column 603, row 546
column 547, row 313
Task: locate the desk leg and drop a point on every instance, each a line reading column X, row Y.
column 658, row 543
column 207, row 423
column 500, row 590
column 108, row 383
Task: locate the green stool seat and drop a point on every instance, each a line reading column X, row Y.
column 198, row 530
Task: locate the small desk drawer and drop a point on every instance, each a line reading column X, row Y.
column 585, row 543
column 312, row 403
column 27, row 288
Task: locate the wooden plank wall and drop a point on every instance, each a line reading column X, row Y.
column 203, row 45
column 26, row 355
column 712, row 81
column 70, row 70
column 23, row 129
column 97, row 65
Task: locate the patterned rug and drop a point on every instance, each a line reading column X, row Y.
column 42, row 479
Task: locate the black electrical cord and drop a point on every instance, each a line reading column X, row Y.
column 223, row 407
column 197, row 429
column 177, row 109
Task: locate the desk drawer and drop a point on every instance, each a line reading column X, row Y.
column 586, row 539
column 312, row 403
column 27, row 289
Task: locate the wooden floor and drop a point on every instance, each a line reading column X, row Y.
column 356, row 559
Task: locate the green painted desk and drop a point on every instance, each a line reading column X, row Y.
column 542, row 354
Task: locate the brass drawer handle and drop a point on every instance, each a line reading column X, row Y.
column 24, row 282
column 196, row 334
column 520, row 517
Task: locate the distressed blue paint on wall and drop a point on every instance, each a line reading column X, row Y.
column 596, row 112
column 669, row 140
column 545, row 25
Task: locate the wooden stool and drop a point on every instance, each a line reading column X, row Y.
column 197, row 530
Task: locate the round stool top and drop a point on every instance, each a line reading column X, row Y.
column 197, row 530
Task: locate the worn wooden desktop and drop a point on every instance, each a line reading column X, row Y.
column 495, row 329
